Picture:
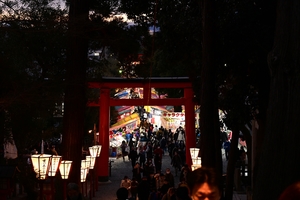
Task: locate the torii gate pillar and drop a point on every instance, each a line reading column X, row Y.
column 190, row 135
column 104, row 115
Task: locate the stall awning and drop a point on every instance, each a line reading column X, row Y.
column 127, row 120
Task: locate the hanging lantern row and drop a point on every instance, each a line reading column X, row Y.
column 89, row 162
column 47, row 165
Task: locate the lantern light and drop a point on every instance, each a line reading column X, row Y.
column 195, row 158
column 99, row 150
column 194, row 152
column 85, row 164
column 197, row 161
column 93, row 151
column 65, row 168
column 55, row 160
column 41, row 164
column 91, row 160
column 194, row 167
column 83, row 173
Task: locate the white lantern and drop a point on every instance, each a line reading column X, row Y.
column 94, row 151
column 194, row 152
column 197, row 161
column 41, row 164
column 91, row 160
column 99, row 150
column 65, row 168
column 85, row 164
column 83, row 173
column 55, row 160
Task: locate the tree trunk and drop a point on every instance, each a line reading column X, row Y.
column 209, row 123
column 280, row 160
column 208, row 90
column 75, row 91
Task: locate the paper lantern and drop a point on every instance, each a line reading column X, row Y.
column 41, row 163
column 194, row 152
column 83, row 173
column 91, row 160
column 65, row 168
column 93, row 151
column 54, row 163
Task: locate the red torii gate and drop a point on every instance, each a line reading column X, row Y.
column 105, row 101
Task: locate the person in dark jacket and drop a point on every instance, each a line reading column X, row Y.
column 182, row 193
column 176, row 162
column 170, row 177
column 149, row 168
column 131, row 143
column 163, row 144
column 149, row 151
column 226, row 146
column 143, row 189
column 133, row 156
column 124, row 147
column 142, row 155
column 158, row 154
column 171, row 146
column 122, row 194
column 137, row 172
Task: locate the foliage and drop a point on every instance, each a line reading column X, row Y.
column 32, row 56
column 174, row 49
column 243, row 70
column 141, row 12
column 178, row 44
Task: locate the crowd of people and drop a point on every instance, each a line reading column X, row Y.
column 201, row 183
column 147, row 154
column 149, row 181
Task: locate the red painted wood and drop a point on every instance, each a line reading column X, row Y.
column 190, row 136
column 105, row 102
column 102, row 170
column 141, row 102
